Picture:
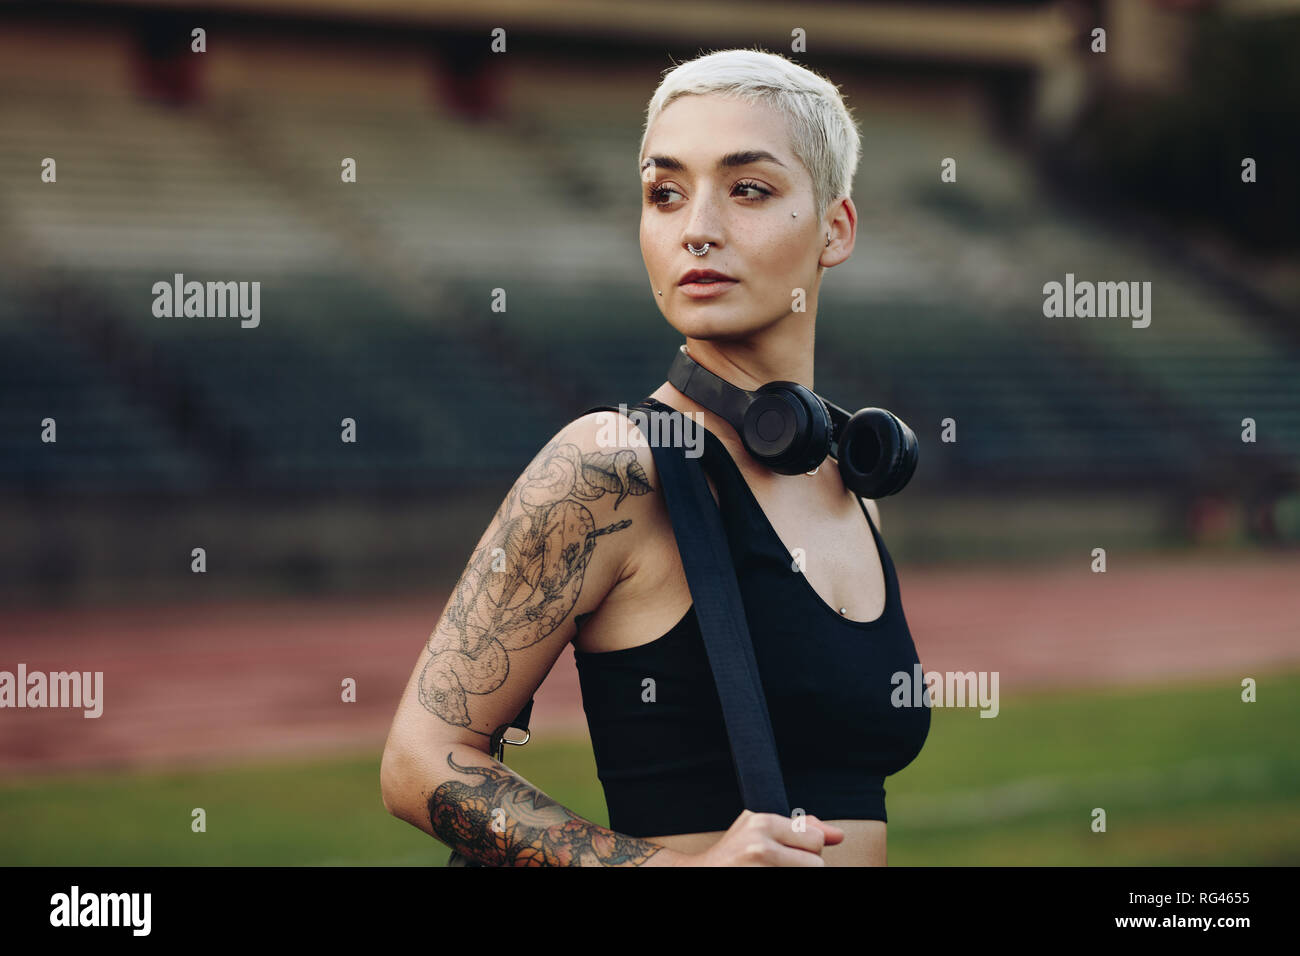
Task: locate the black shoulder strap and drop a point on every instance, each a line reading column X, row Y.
column 706, row 561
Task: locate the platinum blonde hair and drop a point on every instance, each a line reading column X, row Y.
column 823, row 134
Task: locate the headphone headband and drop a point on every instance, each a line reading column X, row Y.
column 716, row 394
column 791, row 429
column 731, row 401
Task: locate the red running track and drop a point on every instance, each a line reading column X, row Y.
column 193, row 683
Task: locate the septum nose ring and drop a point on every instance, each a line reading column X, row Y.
column 693, row 251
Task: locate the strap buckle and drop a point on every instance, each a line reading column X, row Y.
column 499, row 740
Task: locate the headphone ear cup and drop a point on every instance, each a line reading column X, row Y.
column 911, row 455
column 878, row 453
column 788, row 428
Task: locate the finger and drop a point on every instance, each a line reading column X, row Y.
column 807, row 838
column 833, row 833
column 794, row 856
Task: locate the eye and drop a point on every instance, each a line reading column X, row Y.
column 746, row 184
column 656, row 195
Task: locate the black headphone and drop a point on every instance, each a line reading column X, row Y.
column 791, row 429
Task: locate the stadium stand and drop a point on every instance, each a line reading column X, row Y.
column 377, row 303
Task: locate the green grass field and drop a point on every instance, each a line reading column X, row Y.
column 1187, row 774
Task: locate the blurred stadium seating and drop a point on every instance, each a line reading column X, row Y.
column 147, row 191
column 377, row 301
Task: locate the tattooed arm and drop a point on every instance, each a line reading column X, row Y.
column 560, row 541
column 491, row 816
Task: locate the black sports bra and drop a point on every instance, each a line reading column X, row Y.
column 656, row 722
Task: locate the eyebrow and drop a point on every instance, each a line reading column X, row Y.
column 743, row 157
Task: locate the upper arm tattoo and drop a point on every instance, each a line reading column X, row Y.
column 524, row 579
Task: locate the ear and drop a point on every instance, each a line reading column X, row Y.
column 842, row 225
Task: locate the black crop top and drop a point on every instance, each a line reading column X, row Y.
column 665, row 765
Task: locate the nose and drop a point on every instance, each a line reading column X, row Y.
column 703, row 220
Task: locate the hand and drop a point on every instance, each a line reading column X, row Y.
column 769, row 839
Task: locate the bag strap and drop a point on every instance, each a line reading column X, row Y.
column 706, row 560
column 719, row 609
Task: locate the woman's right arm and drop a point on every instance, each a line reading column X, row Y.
column 560, row 541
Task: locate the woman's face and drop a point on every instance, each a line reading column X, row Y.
column 743, row 209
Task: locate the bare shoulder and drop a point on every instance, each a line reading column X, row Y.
column 608, row 465
column 565, row 535
column 615, row 453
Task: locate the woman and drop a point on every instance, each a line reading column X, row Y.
column 747, row 165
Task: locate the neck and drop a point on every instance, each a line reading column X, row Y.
column 781, row 352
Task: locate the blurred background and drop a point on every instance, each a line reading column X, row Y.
column 218, row 156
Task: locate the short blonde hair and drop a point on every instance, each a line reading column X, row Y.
column 823, row 134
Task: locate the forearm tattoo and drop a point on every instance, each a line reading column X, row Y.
column 524, row 580
column 500, row 820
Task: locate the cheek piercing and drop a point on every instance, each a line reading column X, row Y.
column 795, row 215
